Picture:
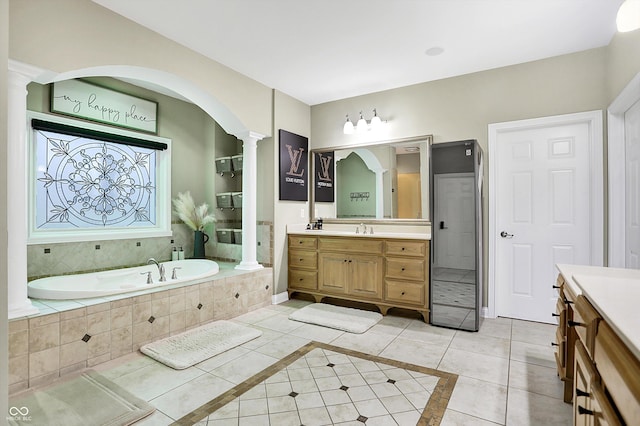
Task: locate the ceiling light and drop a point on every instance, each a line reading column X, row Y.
column 362, row 125
column 628, row 18
column 348, row 126
column 434, row 51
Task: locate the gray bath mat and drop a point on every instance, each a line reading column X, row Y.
column 193, row 346
column 338, row 317
column 88, row 399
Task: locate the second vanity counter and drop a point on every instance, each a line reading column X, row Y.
column 598, row 343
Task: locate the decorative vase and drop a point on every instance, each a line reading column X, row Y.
column 199, row 240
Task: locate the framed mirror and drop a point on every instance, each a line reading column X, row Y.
column 385, row 181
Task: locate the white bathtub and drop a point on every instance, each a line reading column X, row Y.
column 98, row 284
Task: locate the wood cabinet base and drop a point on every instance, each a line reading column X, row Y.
column 383, row 272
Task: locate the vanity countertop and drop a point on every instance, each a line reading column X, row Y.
column 616, row 298
column 570, row 271
column 330, row 233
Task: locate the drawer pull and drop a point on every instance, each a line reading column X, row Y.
column 555, row 286
column 575, row 324
column 402, row 248
column 402, row 294
column 299, row 242
column 301, row 259
column 554, row 344
column 567, row 301
column 553, row 314
column 402, row 269
column 580, row 392
column 582, row 410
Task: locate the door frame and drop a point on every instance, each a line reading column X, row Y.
column 617, row 170
column 596, row 184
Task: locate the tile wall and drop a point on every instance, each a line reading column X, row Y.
column 42, row 348
column 65, row 258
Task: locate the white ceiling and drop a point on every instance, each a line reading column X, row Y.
column 323, row 50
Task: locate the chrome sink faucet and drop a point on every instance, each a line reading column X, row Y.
column 364, row 229
column 160, row 268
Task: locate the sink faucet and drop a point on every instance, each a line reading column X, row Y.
column 160, row 268
column 364, row 229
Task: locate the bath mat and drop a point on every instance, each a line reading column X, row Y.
column 86, row 399
column 338, row 317
column 193, row 346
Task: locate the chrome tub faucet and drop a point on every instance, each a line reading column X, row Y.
column 160, row 268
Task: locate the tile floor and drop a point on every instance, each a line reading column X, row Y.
column 506, row 370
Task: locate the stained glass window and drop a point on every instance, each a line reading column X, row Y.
column 83, row 185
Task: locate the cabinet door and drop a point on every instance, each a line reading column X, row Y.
column 333, row 272
column 366, row 276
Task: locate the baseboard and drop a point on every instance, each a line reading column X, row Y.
column 279, row 298
column 485, row 312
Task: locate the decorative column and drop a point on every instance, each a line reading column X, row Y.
column 379, row 194
column 249, row 201
column 17, row 207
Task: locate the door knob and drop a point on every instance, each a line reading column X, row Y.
column 505, row 234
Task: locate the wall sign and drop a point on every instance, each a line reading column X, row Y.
column 78, row 98
column 294, row 162
column 324, row 176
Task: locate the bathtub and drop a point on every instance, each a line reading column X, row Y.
column 105, row 283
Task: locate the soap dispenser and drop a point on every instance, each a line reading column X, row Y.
column 174, row 254
column 181, row 254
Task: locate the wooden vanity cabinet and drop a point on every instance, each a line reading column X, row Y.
column 605, row 374
column 385, row 272
column 566, row 336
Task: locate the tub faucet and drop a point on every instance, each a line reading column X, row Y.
column 160, row 268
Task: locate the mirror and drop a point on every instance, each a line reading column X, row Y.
column 383, row 181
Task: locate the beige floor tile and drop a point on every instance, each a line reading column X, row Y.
column 155, row 379
column 533, row 354
column 454, row 418
column 478, row 366
column 414, row 352
column 369, row 342
column 526, row 408
column 536, row 379
column 186, row 398
column 482, row 344
column 240, row 369
column 484, row 400
column 280, row 323
column 533, row 332
column 421, row 332
column 317, row 333
column 282, row 346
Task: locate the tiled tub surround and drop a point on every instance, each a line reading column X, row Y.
column 65, row 258
column 68, row 336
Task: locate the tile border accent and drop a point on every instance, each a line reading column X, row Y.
column 431, row 416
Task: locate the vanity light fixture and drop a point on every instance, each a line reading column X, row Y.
column 362, row 125
column 628, row 18
column 348, row 127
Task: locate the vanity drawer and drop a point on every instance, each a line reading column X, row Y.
column 303, row 259
column 302, row 242
column 299, row 279
column 406, row 248
column 619, row 371
column 404, row 292
column 585, row 321
column 411, row 269
column 364, row 245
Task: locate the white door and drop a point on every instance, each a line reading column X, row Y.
column 632, row 186
column 542, row 211
column 454, row 221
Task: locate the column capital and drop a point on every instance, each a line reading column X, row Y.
column 31, row 72
column 250, row 136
